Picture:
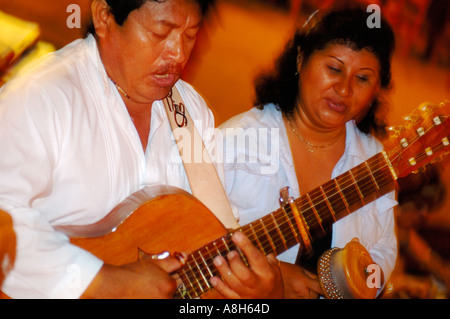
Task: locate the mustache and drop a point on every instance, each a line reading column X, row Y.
column 169, row 68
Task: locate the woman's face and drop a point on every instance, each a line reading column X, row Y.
column 337, row 84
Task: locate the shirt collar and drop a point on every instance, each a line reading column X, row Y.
column 94, row 53
column 357, row 150
column 353, row 152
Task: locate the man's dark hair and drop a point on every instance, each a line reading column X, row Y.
column 122, row 8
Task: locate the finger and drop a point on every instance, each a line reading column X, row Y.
column 240, row 270
column 223, row 288
column 314, row 285
column 228, row 277
column 310, row 274
column 256, row 259
column 224, row 270
column 274, row 263
column 273, row 260
column 168, row 264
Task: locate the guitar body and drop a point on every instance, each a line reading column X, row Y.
column 155, row 220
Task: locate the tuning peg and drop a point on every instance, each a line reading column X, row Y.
column 396, row 138
column 393, row 132
column 415, row 122
column 420, row 170
column 445, row 141
column 435, row 113
column 428, row 107
column 415, row 116
column 396, row 131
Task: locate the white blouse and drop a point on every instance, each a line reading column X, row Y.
column 256, row 168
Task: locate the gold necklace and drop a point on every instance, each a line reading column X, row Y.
column 122, row 91
column 309, row 146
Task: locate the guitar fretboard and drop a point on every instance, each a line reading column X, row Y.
column 279, row 231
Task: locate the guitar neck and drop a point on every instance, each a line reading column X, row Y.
column 279, row 231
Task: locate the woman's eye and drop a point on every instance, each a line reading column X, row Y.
column 334, row 69
column 362, row 78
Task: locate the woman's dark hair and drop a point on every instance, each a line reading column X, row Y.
column 122, row 8
column 341, row 26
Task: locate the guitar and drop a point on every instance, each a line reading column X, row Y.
column 160, row 217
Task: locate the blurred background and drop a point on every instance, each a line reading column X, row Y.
column 243, row 37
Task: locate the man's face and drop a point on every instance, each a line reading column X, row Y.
column 146, row 55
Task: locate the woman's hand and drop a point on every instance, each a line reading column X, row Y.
column 299, row 283
column 262, row 279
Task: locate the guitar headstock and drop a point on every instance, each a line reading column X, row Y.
column 422, row 139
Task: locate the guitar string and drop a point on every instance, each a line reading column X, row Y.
column 199, row 290
column 346, row 183
column 413, row 141
column 311, row 215
column 270, row 230
column 427, row 126
column 311, row 218
column 263, row 244
column 231, row 246
column 419, row 157
column 318, row 198
column 268, row 226
column 380, row 183
column 255, row 227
